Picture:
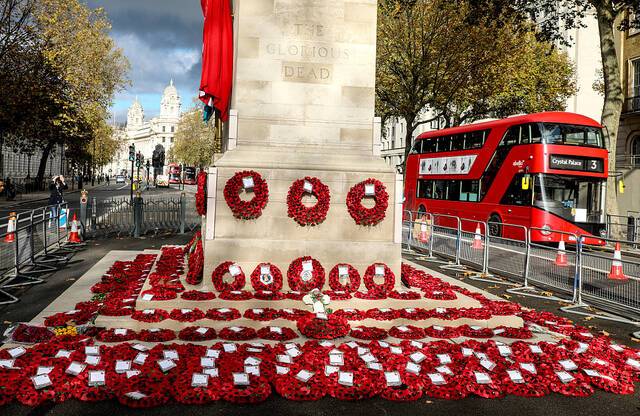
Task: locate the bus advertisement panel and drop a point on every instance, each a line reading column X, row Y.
column 545, row 170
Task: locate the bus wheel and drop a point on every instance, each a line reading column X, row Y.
column 495, row 227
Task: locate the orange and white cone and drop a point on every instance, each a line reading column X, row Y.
column 477, row 239
column 423, row 237
column 616, row 272
column 10, row 237
column 74, row 235
column 561, row 256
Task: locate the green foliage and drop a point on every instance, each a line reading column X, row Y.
column 60, row 70
column 195, row 142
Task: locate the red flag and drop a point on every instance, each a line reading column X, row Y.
column 217, row 56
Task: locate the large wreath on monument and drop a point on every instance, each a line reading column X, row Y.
column 249, row 181
column 344, row 277
column 302, row 214
column 304, row 274
column 234, row 271
column 379, row 270
column 369, row 188
column 266, row 277
column 201, row 193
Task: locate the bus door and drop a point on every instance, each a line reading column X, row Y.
column 516, row 202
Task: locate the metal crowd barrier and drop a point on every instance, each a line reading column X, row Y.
column 36, row 244
column 140, row 216
column 578, row 274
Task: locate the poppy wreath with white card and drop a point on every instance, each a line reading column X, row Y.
column 375, row 270
column 301, row 213
column 266, row 277
column 304, row 274
column 369, row 188
column 235, row 271
column 344, row 277
column 251, row 182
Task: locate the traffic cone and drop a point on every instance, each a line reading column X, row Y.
column 477, row 239
column 561, row 256
column 10, row 237
column 616, row 272
column 74, row 235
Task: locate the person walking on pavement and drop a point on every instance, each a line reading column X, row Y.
column 108, row 180
column 56, row 197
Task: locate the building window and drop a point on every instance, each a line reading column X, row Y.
column 173, row 129
column 635, row 151
column 171, row 140
column 163, row 140
column 163, row 129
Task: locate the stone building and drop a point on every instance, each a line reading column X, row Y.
column 628, row 144
column 146, row 134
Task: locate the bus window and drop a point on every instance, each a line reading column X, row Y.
column 475, row 139
column 453, row 190
column 511, row 137
column 573, row 135
column 515, row 195
column 469, row 191
column 416, row 148
column 424, row 189
column 534, row 133
column 439, row 189
column 444, row 144
column 429, row 146
column 457, row 142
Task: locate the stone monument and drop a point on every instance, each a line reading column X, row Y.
column 303, row 105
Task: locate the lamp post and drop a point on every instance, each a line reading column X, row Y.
column 132, row 158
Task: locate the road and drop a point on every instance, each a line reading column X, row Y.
column 100, row 192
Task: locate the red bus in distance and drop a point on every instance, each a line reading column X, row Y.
column 175, row 173
column 545, row 170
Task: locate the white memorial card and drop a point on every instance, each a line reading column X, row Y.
column 41, row 381
column 413, row 368
column 392, row 378
column 247, row 182
column 369, row 189
column 515, row 376
column 308, row 187
column 345, row 378
column 96, row 378
column 241, row 379
column 166, row 365
column 170, row 355
column 304, row 375
column 568, row 365
column 482, row 378
column 122, row 366
column 199, row 380
column 75, row 368
column 234, row 270
column 564, row 376
column 207, row 362
column 92, row 360
column 379, row 270
column 437, row 379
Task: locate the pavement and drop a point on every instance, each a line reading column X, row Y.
column 36, row 298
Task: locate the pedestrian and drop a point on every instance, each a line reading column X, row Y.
column 108, row 179
column 56, row 189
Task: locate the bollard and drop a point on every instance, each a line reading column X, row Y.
column 183, row 212
column 84, row 199
column 137, row 215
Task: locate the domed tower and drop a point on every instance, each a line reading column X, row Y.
column 135, row 116
column 170, row 104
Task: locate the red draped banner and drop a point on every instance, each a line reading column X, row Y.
column 217, row 56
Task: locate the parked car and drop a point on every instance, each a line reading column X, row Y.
column 162, row 181
column 120, row 179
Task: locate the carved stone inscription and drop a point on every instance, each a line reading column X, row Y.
column 308, row 53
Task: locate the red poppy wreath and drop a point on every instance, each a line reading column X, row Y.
column 304, row 274
column 368, row 188
column 249, row 181
column 344, row 277
column 302, row 214
column 377, row 269
column 266, row 277
column 234, row 271
column 201, row 193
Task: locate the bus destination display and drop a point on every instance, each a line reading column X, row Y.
column 575, row 163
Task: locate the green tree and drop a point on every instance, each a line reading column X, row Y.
column 195, row 142
column 462, row 63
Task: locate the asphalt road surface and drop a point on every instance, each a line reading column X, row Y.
column 100, row 192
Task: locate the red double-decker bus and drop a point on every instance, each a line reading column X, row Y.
column 545, row 170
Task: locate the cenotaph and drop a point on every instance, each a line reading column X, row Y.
column 303, row 106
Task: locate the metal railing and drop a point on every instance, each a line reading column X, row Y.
column 140, row 216
column 578, row 274
column 32, row 244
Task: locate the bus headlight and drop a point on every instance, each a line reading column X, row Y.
column 546, row 230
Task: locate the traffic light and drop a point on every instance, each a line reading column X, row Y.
column 139, row 159
column 132, row 152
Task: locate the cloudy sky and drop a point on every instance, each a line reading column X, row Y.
column 163, row 40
